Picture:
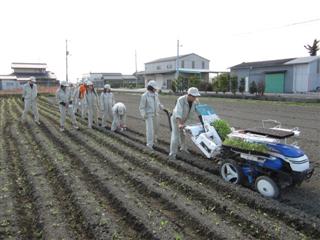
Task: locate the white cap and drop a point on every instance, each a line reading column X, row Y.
column 107, row 86
column 193, row 92
column 153, row 84
column 64, row 83
column 89, row 83
column 32, row 79
column 121, row 108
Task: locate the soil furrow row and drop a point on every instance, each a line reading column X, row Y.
column 21, row 189
column 192, row 188
column 276, row 225
column 50, row 217
column 98, row 219
column 8, row 222
column 307, row 226
column 158, row 193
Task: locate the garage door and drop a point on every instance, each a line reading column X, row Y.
column 274, row 83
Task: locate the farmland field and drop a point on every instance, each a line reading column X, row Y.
column 96, row 184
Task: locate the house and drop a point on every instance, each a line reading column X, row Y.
column 282, row 75
column 8, row 82
column 165, row 70
column 116, row 80
column 23, row 71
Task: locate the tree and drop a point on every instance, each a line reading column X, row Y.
column 234, row 84
column 261, row 87
column 242, row 85
column 253, row 87
column 194, row 81
column 174, row 86
column 223, row 82
column 181, row 84
column 215, row 86
column 314, row 48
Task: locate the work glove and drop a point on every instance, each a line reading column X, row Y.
column 22, row 99
column 63, row 104
column 70, row 102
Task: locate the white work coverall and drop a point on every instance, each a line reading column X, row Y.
column 118, row 119
column 183, row 111
column 79, row 102
column 149, row 109
column 30, row 101
column 106, row 102
column 65, row 96
column 92, row 105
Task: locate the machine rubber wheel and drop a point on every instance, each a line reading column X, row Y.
column 231, row 172
column 267, row 187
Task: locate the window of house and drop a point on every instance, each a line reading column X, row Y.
column 169, row 66
column 158, row 67
column 203, row 65
column 193, row 64
column 182, row 64
column 318, row 66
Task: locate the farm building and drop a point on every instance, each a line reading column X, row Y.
column 165, row 70
column 8, row 82
column 116, row 80
column 23, row 71
column 289, row 75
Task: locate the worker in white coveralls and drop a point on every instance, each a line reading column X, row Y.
column 119, row 117
column 92, row 104
column 29, row 96
column 182, row 112
column 150, row 107
column 65, row 101
column 106, row 103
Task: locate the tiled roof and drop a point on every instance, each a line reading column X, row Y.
column 167, row 59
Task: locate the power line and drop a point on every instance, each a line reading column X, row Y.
column 283, row 26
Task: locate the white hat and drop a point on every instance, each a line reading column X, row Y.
column 153, row 84
column 89, row 83
column 64, row 83
column 32, row 79
column 107, row 86
column 193, row 92
column 121, row 108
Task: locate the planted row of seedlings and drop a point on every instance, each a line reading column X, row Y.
column 270, row 226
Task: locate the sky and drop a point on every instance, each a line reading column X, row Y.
column 103, row 35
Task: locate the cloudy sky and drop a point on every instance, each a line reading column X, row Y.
column 103, row 35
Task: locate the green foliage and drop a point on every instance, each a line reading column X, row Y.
column 194, row 81
column 182, row 84
column 223, row 80
column 253, row 87
column 261, row 88
column 234, row 84
column 174, row 86
column 241, row 144
column 205, row 86
column 314, row 48
column 215, row 86
column 242, row 85
column 222, row 128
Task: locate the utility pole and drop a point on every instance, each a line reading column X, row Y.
column 67, row 53
column 177, row 61
column 135, row 58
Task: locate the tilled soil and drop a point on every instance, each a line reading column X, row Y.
column 96, row 184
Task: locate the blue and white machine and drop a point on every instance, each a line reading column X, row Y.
column 283, row 165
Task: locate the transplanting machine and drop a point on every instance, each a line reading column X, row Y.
column 280, row 164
